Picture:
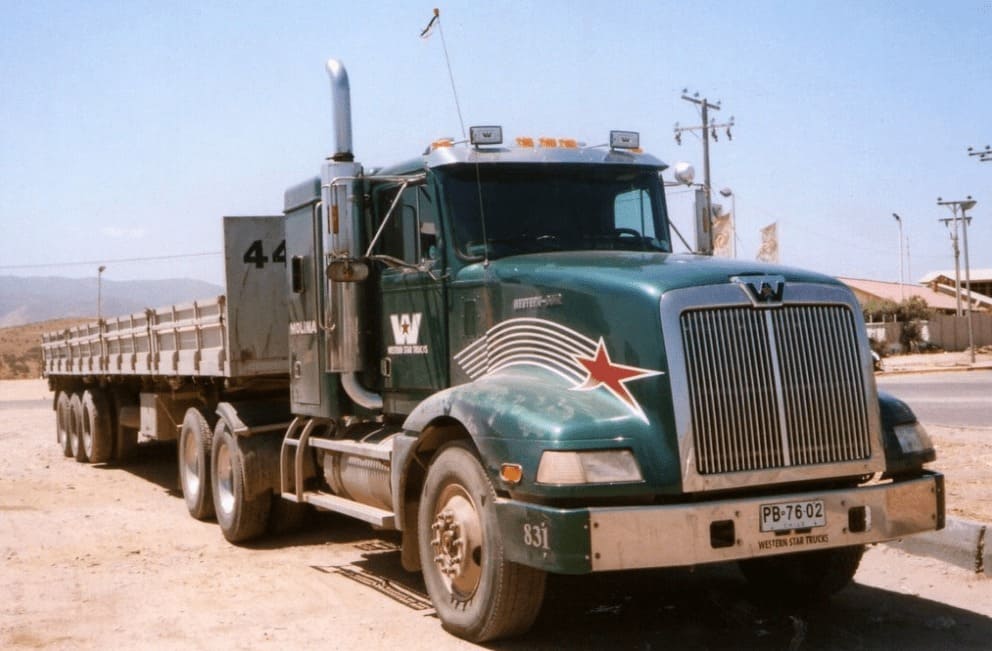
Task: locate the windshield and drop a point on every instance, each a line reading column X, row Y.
column 532, row 208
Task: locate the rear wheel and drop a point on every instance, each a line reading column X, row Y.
column 479, row 595
column 63, row 421
column 242, row 507
column 194, row 464
column 803, row 577
column 76, row 447
column 97, row 437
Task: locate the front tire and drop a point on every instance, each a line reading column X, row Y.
column 242, row 508
column 803, row 577
column 194, row 464
column 479, row 595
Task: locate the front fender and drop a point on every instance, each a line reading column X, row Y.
column 516, row 415
column 896, row 412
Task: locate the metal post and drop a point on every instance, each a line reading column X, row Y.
column 99, row 293
column 727, row 192
column 967, row 274
column 902, row 288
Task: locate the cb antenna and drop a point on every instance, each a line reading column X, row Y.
column 425, row 34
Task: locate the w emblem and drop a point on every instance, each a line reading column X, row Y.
column 406, row 328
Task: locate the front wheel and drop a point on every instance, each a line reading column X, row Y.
column 479, row 595
column 803, row 577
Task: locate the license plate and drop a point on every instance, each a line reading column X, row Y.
column 786, row 516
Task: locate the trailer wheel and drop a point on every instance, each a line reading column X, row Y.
column 76, row 447
column 63, row 422
column 97, row 438
column 803, row 577
column 478, row 594
column 242, row 510
column 194, row 464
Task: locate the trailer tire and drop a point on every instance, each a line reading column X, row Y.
column 63, row 416
column 97, row 436
column 242, row 510
column 479, row 595
column 803, row 577
column 194, row 464
column 76, row 448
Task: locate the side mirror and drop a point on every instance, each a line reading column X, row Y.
column 347, row 270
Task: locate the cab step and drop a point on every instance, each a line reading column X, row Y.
column 380, row 518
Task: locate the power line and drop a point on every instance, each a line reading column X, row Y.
column 84, row 263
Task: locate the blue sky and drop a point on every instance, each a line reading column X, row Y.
column 127, row 129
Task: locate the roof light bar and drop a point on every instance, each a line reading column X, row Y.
column 486, row 135
column 625, row 140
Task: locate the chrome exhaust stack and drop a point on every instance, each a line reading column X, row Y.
column 341, row 97
column 341, row 198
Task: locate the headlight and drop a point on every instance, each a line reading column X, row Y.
column 913, row 437
column 588, row 467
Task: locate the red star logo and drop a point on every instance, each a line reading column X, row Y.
column 602, row 372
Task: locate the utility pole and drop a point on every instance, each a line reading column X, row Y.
column 984, row 155
column 965, row 205
column 704, row 231
column 953, row 232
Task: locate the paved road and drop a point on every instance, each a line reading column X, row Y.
column 953, row 399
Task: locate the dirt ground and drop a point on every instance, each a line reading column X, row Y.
column 98, row 557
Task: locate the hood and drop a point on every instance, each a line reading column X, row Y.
column 632, row 271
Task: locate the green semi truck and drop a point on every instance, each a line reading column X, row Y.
column 493, row 349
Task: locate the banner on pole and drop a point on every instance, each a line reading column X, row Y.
column 768, row 252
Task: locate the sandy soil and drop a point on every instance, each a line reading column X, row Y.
column 97, row 557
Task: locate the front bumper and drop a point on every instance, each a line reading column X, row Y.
column 578, row 541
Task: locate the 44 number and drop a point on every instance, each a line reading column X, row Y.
column 256, row 254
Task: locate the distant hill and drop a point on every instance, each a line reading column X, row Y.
column 20, row 347
column 29, row 300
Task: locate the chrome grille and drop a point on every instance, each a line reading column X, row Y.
column 774, row 388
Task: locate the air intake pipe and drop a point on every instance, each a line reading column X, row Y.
column 341, row 97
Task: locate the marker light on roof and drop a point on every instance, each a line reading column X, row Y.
column 525, row 141
column 548, row 142
column 486, row 135
column 568, row 143
column 625, row 140
column 443, row 142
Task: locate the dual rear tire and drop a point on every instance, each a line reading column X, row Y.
column 84, row 425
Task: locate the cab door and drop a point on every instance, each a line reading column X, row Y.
column 413, row 354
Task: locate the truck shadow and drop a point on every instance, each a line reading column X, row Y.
column 705, row 608
column 155, row 462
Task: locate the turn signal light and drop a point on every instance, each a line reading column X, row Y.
column 511, row 473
